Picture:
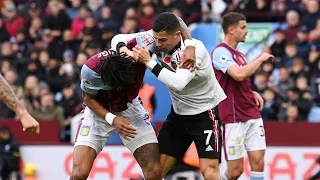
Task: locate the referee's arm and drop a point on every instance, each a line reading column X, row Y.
column 176, row 81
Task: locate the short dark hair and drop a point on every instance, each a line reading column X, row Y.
column 230, row 19
column 167, row 22
column 117, row 70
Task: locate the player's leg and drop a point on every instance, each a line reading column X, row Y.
column 83, row 158
column 173, row 141
column 234, row 150
column 255, row 144
column 145, row 144
column 206, row 133
column 91, row 137
column 148, row 158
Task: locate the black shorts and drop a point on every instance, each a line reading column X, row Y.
column 178, row 132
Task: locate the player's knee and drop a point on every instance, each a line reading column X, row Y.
column 235, row 172
column 152, row 172
column 258, row 165
column 79, row 173
column 211, row 172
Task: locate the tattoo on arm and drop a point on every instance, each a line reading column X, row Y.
column 184, row 30
column 8, row 97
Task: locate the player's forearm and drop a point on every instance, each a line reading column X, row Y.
column 9, row 98
column 248, row 70
column 184, row 30
column 176, row 81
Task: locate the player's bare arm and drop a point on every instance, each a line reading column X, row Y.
column 188, row 59
column 123, row 126
column 241, row 73
column 11, row 100
column 174, row 80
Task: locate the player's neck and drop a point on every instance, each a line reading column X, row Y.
column 231, row 42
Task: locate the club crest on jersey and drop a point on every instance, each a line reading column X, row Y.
column 85, row 130
column 231, row 150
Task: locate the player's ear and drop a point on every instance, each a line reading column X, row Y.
column 178, row 33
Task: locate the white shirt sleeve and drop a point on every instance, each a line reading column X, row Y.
column 176, row 81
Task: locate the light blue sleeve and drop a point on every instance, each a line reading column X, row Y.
column 91, row 82
column 222, row 59
column 148, row 40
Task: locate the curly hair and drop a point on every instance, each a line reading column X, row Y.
column 117, row 70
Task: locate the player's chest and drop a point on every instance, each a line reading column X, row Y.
column 170, row 61
column 240, row 59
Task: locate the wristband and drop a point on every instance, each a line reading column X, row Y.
column 110, row 117
column 189, row 42
column 151, row 64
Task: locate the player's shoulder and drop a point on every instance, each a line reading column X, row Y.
column 219, row 51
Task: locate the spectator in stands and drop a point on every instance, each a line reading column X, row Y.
column 298, row 69
column 33, row 10
column 286, row 83
column 292, row 114
column 9, row 155
column 52, row 44
column 165, row 6
column 303, row 45
column 146, row 17
column 191, row 10
column 312, row 15
column 271, row 106
column 277, row 48
column 48, row 110
column 305, row 97
column 58, row 20
column 4, row 35
column 293, row 21
column 78, row 23
column 73, row 11
column 12, row 20
column 315, row 33
column 128, row 26
column 107, row 21
column 290, row 53
column 260, row 82
column 35, row 29
column 70, row 44
column 31, row 92
column 72, row 106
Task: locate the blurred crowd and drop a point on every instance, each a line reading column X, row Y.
column 44, row 44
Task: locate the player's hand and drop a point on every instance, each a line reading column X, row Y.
column 266, row 57
column 29, row 124
column 125, row 129
column 143, row 53
column 188, row 59
column 134, row 57
column 259, row 100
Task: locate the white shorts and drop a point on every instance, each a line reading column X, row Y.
column 94, row 131
column 243, row 136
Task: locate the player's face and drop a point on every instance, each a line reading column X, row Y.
column 240, row 31
column 166, row 41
